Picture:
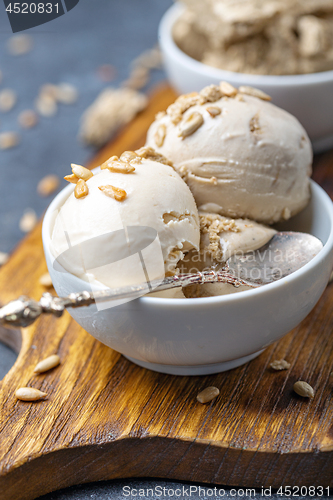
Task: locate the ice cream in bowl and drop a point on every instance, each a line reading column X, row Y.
column 221, row 171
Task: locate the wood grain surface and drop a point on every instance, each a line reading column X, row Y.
column 107, row 418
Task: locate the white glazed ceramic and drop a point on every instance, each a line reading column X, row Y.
column 212, row 334
column 308, row 97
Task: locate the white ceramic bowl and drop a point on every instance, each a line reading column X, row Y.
column 212, row 334
column 308, row 97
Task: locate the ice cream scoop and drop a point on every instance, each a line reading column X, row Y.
column 135, row 220
column 240, row 155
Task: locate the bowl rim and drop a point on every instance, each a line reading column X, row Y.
column 169, row 46
column 172, row 302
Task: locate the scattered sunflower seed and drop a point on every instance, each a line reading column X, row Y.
column 28, row 118
column 19, row 44
column 8, row 100
column 208, row 394
column 9, row 140
column 3, row 258
column 280, row 364
column 303, row 389
column 46, row 105
column 66, row 93
column 113, row 192
column 49, row 89
column 47, row 364
column 45, row 280
column 81, row 189
column 48, row 185
column 244, row 89
column 28, row 220
column 29, row 394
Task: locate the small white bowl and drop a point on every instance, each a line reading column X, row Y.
column 309, row 97
column 211, row 334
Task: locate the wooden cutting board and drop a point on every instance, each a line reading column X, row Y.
column 107, row 418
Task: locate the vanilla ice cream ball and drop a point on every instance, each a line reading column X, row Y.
column 130, row 222
column 240, row 155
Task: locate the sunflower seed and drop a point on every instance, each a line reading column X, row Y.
column 160, row 135
column 244, row 89
column 28, row 220
column 208, row 394
column 81, row 189
column 81, row 172
column 48, row 185
column 113, row 192
column 47, row 364
column 28, row 118
column 8, row 100
column 66, row 93
column 303, row 389
column 46, row 105
column 191, row 124
column 45, row 280
column 9, row 140
column 29, row 394
column 19, row 44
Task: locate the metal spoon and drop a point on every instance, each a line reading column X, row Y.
column 285, row 253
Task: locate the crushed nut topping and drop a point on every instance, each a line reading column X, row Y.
column 81, row 189
column 160, row 135
column 244, row 89
column 254, row 124
column 211, row 93
column 214, row 224
column 182, row 104
column 81, row 172
column 150, row 154
column 228, row 89
column 280, row 364
column 213, row 111
column 71, row 178
column 113, row 192
column 119, row 166
column 128, row 156
column 191, row 124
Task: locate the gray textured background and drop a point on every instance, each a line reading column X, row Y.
column 70, row 49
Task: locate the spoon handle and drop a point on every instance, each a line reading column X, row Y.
column 23, row 311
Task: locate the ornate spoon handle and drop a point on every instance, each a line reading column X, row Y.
column 23, row 311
